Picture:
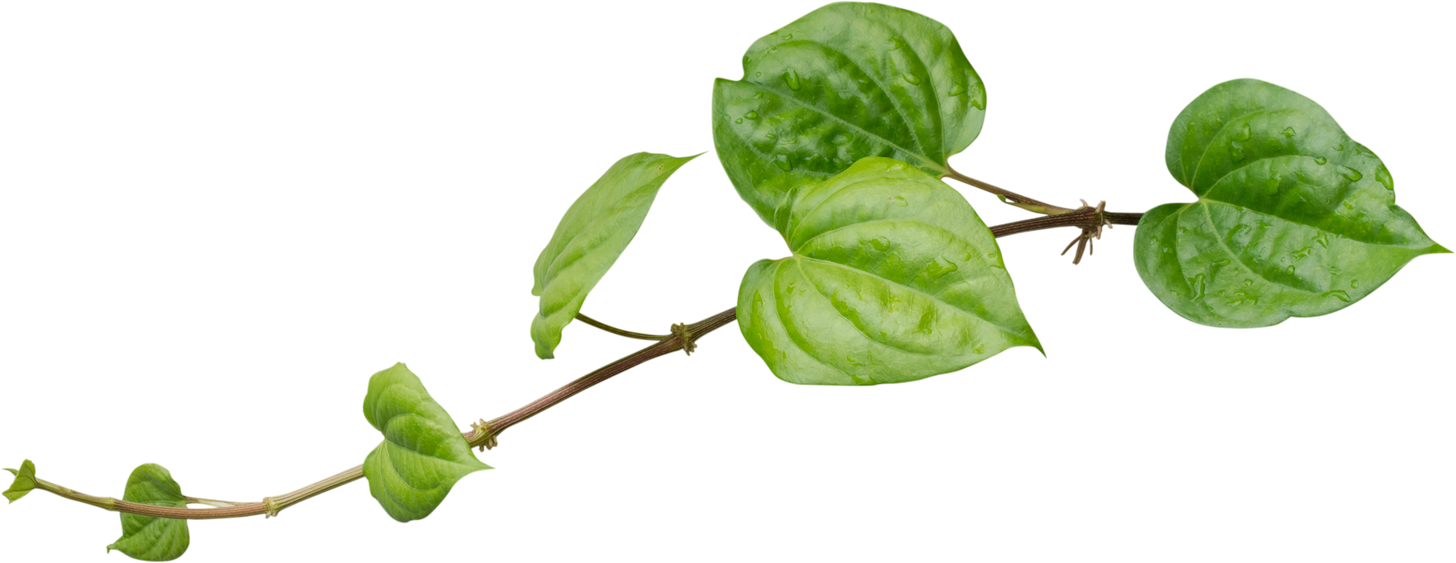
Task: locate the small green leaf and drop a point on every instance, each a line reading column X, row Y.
column 1293, row 219
column 144, row 537
column 423, row 453
column 24, row 481
column 590, row 237
column 847, row 81
column 893, row 278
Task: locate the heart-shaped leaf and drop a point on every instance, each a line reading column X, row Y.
column 24, row 481
column 590, row 237
column 423, row 453
column 144, row 537
column 893, row 278
column 849, row 80
column 1293, row 219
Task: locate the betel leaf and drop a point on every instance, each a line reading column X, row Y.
column 24, row 481
column 1293, row 219
column 144, row 537
column 590, row 237
column 848, row 81
column 893, row 278
column 423, row 453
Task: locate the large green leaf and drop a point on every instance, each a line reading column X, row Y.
column 1293, row 219
column 24, row 481
column 590, row 237
column 144, row 537
column 423, row 453
column 893, row 278
column 847, row 81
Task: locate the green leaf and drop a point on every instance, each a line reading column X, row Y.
column 590, row 237
column 24, row 481
column 1293, row 219
column 893, row 278
column 848, row 81
column 423, row 453
column 144, row 537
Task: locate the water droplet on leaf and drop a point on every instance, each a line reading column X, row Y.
column 939, row 268
column 791, row 78
column 1382, row 175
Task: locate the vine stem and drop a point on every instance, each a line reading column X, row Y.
column 484, row 432
column 220, row 509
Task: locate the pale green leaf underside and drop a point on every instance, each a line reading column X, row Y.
column 846, row 81
column 423, row 453
column 1293, row 219
column 893, row 278
column 24, row 481
column 590, row 237
column 144, row 537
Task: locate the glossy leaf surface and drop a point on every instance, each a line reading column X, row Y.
column 1293, row 219
column 423, row 453
column 848, row 81
column 147, row 538
column 893, row 278
column 592, row 234
column 24, row 481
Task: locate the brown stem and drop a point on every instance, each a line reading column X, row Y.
column 484, row 435
column 270, row 506
column 1086, row 219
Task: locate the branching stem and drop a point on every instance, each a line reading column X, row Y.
column 220, row 509
column 485, row 435
column 619, row 332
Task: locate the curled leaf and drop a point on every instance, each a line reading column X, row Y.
column 1293, row 219
column 893, row 278
column 24, row 481
column 847, row 81
column 423, row 453
column 590, row 237
column 144, row 537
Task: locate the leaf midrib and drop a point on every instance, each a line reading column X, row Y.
column 930, row 296
column 881, row 86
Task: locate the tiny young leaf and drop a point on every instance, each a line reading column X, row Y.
column 590, row 237
column 144, row 537
column 847, row 81
column 24, row 481
column 1293, row 219
column 893, row 278
column 423, row 453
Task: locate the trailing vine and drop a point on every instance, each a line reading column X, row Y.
column 838, row 137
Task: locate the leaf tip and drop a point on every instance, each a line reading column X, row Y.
column 24, row 481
